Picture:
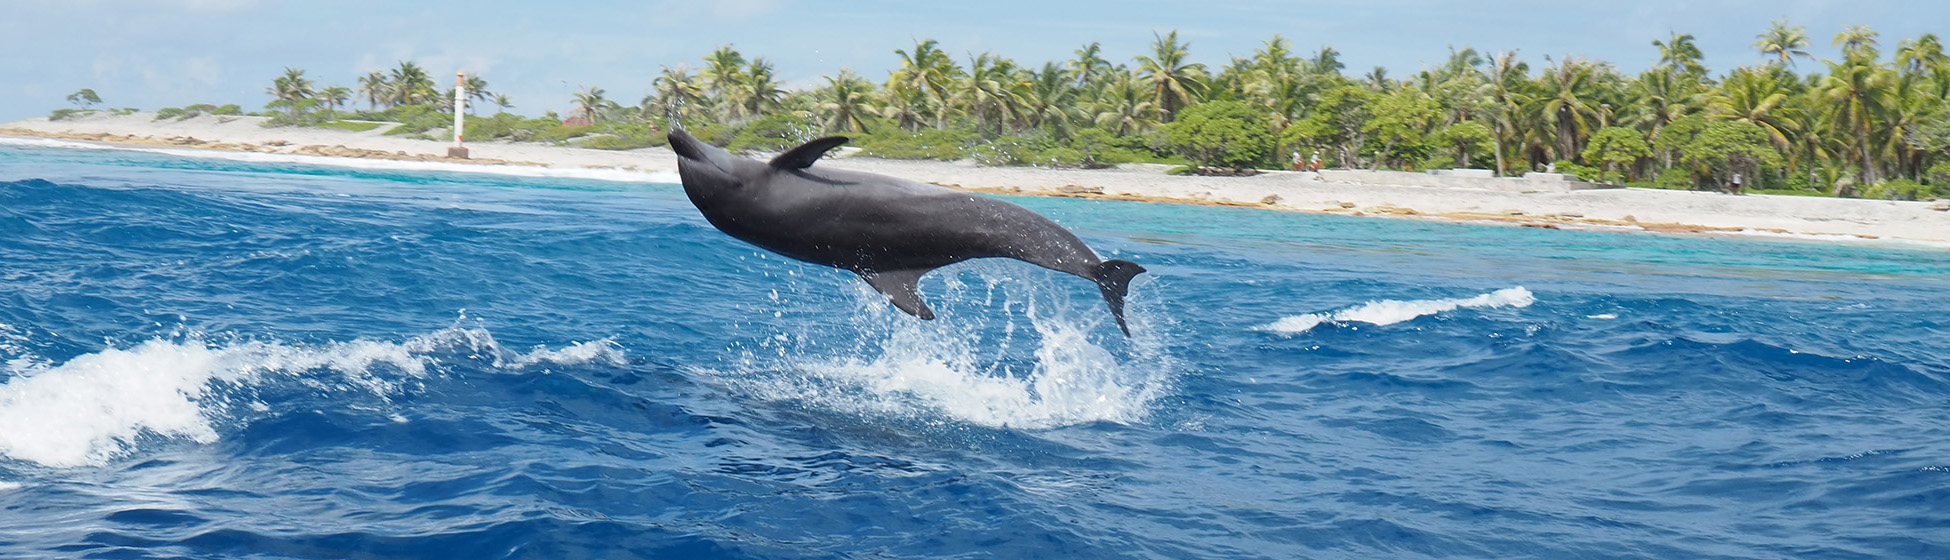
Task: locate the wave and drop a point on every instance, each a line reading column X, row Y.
column 967, row 366
column 1389, row 312
column 529, row 171
column 96, row 407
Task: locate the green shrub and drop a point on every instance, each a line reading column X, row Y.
column 559, row 133
column 1583, row 173
column 507, row 126
column 1938, row 175
column 1061, row 157
column 1898, row 189
column 1098, row 148
column 229, row 109
column 1002, row 154
column 355, row 126
column 1675, row 178
column 413, row 119
column 1798, row 182
column 776, row 132
column 715, row 134
column 929, row 143
column 65, row 114
column 1220, row 134
column 612, row 142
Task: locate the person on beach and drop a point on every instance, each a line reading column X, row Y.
column 1295, row 165
column 1736, row 182
column 1314, row 163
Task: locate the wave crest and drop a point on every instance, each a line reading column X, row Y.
column 1389, row 312
column 95, row 407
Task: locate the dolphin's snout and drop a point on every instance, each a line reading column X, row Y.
column 685, row 145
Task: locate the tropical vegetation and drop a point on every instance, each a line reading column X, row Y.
column 1868, row 124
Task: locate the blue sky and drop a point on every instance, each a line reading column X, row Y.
column 166, row 53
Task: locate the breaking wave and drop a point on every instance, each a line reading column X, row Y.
column 1389, row 312
column 96, row 407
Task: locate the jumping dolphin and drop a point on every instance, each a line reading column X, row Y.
column 889, row 231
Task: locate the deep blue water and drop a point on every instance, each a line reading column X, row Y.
column 234, row 359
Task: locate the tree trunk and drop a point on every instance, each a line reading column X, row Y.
column 1499, row 153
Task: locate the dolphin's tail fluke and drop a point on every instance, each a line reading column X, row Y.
column 1114, row 279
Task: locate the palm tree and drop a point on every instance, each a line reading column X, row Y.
column 1758, row 97
column 502, row 102
column 1049, row 99
column 679, row 94
column 374, row 88
column 1378, row 80
column 334, row 96
column 928, row 71
column 1857, row 41
column 1661, row 96
column 1923, row 53
column 1858, row 88
column 1568, row 103
column 291, row 88
column 1089, row 67
column 590, row 103
column 905, row 104
column 989, row 95
column 758, row 89
column 1906, row 105
column 1820, row 137
column 1175, row 83
column 1126, row 107
column 846, row 101
column 723, row 68
column 1507, row 98
column 1783, row 42
column 1681, row 52
column 412, row 86
column 1327, row 61
column 477, row 90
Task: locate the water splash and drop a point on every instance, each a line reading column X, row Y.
column 96, row 407
column 1389, row 312
column 976, row 364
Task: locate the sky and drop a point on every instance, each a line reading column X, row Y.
column 151, row 54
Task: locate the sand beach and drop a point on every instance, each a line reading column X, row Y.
column 1389, row 195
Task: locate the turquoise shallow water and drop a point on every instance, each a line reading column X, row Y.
column 269, row 359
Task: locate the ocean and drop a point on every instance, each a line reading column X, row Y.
column 216, row 355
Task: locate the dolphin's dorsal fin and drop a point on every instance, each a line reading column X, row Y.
column 902, row 286
column 803, row 156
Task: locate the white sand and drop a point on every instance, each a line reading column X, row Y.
column 1624, row 209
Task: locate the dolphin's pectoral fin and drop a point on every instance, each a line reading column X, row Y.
column 901, row 286
column 803, row 156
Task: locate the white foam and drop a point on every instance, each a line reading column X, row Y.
column 605, row 351
column 935, row 371
column 599, row 174
column 1389, row 312
column 94, row 407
